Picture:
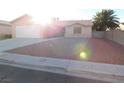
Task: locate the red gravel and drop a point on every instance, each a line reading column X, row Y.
column 102, row 51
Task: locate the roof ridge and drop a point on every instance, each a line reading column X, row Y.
column 20, row 17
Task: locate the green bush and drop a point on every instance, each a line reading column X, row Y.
column 5, row 36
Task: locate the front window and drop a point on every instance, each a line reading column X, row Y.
column 77, row 30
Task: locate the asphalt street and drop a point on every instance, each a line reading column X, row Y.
column 9, row 74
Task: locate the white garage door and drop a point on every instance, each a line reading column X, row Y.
column 33, row 31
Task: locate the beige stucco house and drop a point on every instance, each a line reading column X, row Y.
column 81, row 28
column 5, row 28
column 24, row 27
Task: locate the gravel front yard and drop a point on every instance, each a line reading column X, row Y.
column 95, row 50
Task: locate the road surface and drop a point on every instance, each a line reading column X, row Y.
column 9, row 74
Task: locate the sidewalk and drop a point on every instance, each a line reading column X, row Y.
column 99, row 71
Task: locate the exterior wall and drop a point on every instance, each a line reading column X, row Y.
column 86, row 31
column 117, row 36
column 85, row 22
column 5, row 29
column 68, row 31
column 98, row 34
column 20, row 22
column 109, row 35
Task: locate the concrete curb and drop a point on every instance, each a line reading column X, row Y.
column 69, row 65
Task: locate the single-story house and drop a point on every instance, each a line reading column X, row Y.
column 24, row 27
column 5, row 28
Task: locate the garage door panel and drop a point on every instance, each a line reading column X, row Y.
column 28, row 31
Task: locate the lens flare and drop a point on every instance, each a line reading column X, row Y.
column 82, row 51
column 42, row 21
column 83, row 55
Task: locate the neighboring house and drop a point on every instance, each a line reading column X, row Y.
column 121, row 26
column 21, row 21
column 24, row 27
column 5, row 28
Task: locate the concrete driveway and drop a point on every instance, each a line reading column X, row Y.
column 17, row 42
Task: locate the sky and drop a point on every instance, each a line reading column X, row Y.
column 63, row 9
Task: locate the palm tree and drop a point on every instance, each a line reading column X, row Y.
column 105, row 20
